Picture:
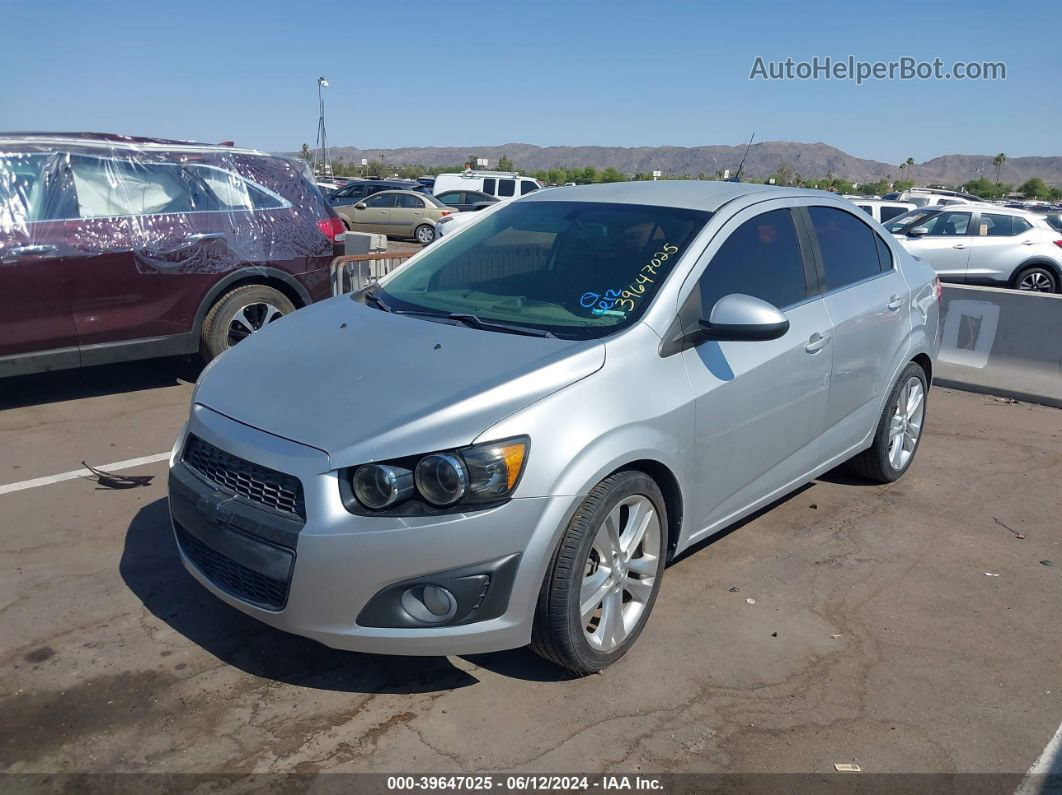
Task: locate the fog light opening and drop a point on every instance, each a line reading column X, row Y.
column 430, row 604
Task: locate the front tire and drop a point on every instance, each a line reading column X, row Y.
column 605, row 575
column 899, row 430
column 240, row 313
column 1037, row 279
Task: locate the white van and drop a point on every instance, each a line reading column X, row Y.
column 880, row 210
column 502, row 184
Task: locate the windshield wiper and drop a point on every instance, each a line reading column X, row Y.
column 371, row 295
column 473, row 321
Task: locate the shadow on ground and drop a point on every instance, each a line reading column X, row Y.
column 152, row 569
column 87, row 382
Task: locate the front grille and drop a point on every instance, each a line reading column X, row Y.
column 231, row 576
column 258, row 484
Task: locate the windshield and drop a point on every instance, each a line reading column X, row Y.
column 576, row 269
column 909, row 219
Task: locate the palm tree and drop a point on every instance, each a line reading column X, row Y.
column 998, row 161
column 910, row 164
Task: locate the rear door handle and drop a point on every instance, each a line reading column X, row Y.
column 959, row 245
column 816, row 342
column 895, row 302
column 199, row 237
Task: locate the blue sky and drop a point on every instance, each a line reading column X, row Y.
column 582, row 72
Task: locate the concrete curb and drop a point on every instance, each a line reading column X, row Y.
column 1001, row 342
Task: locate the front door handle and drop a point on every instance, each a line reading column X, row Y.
column 895, row 302
column 817, row 342
column 959, row 245
column 33, row 250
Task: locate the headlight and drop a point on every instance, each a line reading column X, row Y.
column 378, row 486
column 442, row 478
column 483, row 474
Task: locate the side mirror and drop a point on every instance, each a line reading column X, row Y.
column 918, row 231
column 361, row 206
column 742, row 317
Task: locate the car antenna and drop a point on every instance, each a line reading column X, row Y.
column 741, row 165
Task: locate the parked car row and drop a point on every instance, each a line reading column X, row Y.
column 115, row 248
column 468, row 191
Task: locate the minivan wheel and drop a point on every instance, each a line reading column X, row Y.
column 1037, row 279
column 424, row 234
column 899, row 430
column 240, row 313
column 604, row 576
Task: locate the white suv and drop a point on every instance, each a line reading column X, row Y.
column 503, row 184
column 984, row 244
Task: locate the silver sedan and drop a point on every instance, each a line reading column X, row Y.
column 505, row 440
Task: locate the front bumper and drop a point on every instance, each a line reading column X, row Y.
column 315, row 578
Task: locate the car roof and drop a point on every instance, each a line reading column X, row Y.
column 690, row 194
column 994, row 208
column 112, row 140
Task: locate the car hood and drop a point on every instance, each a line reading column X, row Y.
column 361, row 384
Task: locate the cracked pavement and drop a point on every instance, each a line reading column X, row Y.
column 875, row 637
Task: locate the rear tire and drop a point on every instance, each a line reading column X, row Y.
column 605, row 575
column 238, row 314
column 883, row 461
column 424, row 234
column 1036, row 278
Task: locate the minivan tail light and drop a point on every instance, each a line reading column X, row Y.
column 332, row 228
column 1058, row 243
column 938, row 290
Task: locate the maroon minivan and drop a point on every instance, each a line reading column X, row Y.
column 115, row 248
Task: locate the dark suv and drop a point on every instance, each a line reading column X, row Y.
column 115, row 248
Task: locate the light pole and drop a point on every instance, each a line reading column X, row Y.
column 322, row 164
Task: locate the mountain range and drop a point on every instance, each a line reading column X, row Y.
column 809, row 160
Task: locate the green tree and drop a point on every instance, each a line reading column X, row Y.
column 902, row 185
column 998, row 162
column 909, row 162
column 505, row 164
column 1034, row 188
column 306, row 154
column 611, row 174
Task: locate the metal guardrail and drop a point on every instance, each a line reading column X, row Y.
column 354, row 271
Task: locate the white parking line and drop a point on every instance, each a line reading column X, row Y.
column 1047, row 763
column 80, row 473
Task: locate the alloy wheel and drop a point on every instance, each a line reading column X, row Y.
column 251, row 318
column 425, row 234
column 905, row 425
column 620, row 573
column 1036, row 281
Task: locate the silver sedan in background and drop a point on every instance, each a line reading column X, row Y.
column 506, row 439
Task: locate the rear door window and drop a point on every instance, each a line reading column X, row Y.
column 760, row 258
column 406, row 201
column 506, row 187
column 888, row 213
column 527, row 186
column 489, row 186
column 116, row 187
column 997, row 225
column 450, row 198
column 848, row 246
